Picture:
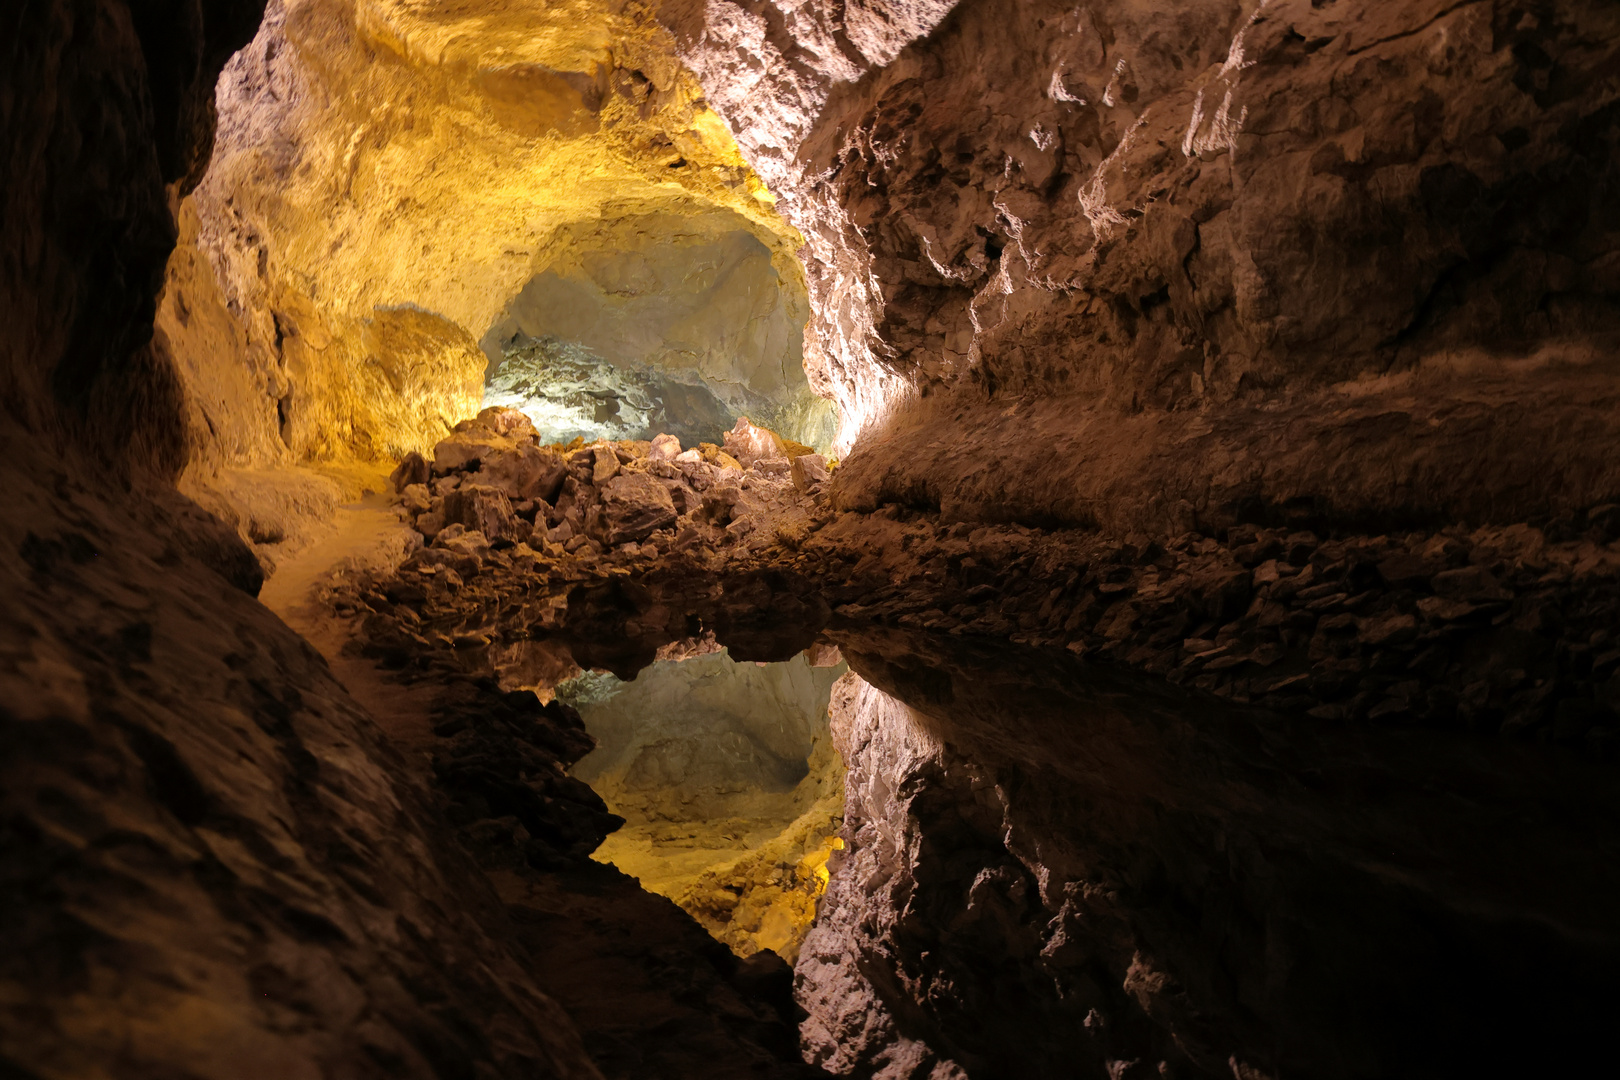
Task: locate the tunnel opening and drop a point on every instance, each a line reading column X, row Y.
column 655, row 324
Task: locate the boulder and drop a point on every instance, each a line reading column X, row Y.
column 1403, row 568
column 527, row 472
column 484, row 509
column 416, row 498
column 469, row 543
column 748, row 442
column 430, row 524
column 1470, row 584
column 633, row 506
column 511, row 423
column 1394, row 628
column 809, row 472
column 466, row 449
column 664, row 448
column 491, row 432
column 412, row 469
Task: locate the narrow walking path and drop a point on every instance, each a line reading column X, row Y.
column 369, row 536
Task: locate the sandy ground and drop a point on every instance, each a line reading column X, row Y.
column 368, row 535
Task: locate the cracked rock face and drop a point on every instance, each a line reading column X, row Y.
column 1141, row 210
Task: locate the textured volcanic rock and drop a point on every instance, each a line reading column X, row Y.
column 215, row 865
column 633, row 506
column 360, row 250
column 1186, row 223
column 482, row 509
column 1052, row 872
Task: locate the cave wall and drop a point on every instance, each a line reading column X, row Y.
column 213, row 865
column 389, row 176
column 84, row 213
column 1382, row 232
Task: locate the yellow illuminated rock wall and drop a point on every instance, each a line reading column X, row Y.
column 388, row 175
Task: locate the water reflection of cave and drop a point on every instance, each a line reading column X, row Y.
column 657, row 323
column 729, row 785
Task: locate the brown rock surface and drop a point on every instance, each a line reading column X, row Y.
column 634, row 506
column 1266, row 349
column 482, row 509
column 1136, row 245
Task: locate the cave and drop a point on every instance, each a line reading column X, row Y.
column 903, row 540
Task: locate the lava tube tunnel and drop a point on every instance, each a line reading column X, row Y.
column 898, row 539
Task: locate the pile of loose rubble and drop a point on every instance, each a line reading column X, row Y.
column 510, row 527
column 492, row 483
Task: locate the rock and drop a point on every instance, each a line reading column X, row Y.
column 665, row 448
column 526, row 472
column 430, row 524
column 1441, row 609
column 506, row 422
column 415, row 497
column 688, row 457
column 1441, row 552
column 748, row 442
column 492, row 431
column 1403, row 569
column 1472, row 584
column 634, row 505
column 485, row 509
column 469, row 542
column 1605, row 519
column 1392, row 629
column 1299, row 547
column 823, row 654
column 465, row 450
column 809, row 472
column 719, row 502
column 606, row 465
column 1221, row 594
column 1267, row 573
column 412, row 469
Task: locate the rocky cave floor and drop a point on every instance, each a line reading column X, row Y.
column 525, row 564
column 1508, row 630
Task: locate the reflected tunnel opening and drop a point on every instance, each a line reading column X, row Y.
column 731, row 790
